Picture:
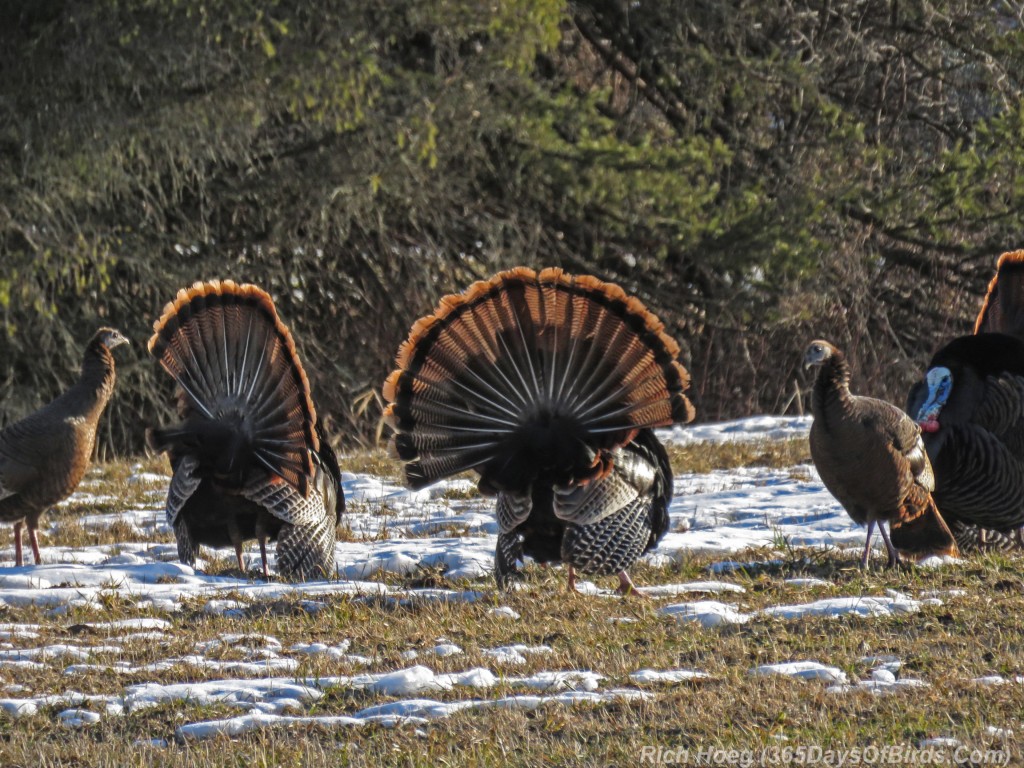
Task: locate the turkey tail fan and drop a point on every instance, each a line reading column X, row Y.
column 530, row 373
column 243, row 393
column 1003, row 308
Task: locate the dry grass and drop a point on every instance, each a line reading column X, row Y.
column 947, row 645
column 705, row 457
column 695, row 458
column 72, row 533
column 372, row 462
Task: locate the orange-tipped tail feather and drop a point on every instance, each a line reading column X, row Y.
column 530, row 373
column 1003, row 308
column 242, row 387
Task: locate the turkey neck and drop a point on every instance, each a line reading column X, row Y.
column 96, row 384
column 831, row 396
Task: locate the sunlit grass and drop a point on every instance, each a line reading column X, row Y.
column 974, row 627
column 705, row 457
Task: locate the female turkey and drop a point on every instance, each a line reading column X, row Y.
column 547, row 385
column 44, row 456
column 970, row 406
column 870, row 456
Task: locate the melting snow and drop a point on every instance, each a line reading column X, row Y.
column 76, row 718
column 805, row 670
column 513, row 654
column 643, row 676
column 415, row 711
column 447, row 530
column 504, row 612
column 752, row 428
column 708, row 613
column 840, row 606
column 712, row 587
column 940, row 741
column 882, row 681
column 990, row 680
column 242, row 693
column 711, row 613
column 808, row 582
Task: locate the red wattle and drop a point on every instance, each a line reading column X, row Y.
column 929, row 425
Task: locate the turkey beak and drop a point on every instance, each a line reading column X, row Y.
column 814, row 355
column 116, row 339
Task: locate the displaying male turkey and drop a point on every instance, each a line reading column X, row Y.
column 249, row 458
column 44, row 455
column 970, row 406
column 870, row 456
column 547, row 385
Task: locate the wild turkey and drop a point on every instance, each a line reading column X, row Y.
column 249, row 458
column 971, row 538
column 870, row 456
column 970, row 406
column 44, row 455
column 1002, row 310
column 547, row 385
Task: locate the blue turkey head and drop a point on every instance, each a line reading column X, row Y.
column 940, row 385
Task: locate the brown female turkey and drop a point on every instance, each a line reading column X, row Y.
column 249, row 458
column 44, row 456
column 970, row 406
column 870, row 456
column 547, row 385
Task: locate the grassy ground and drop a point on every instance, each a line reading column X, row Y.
column 980, row 632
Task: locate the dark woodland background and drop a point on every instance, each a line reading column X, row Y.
column 759, row 173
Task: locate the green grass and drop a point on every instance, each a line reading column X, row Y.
column 979, row 633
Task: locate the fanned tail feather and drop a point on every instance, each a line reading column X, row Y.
column 1003, row 308
column 244, row 396
column 530, row 373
